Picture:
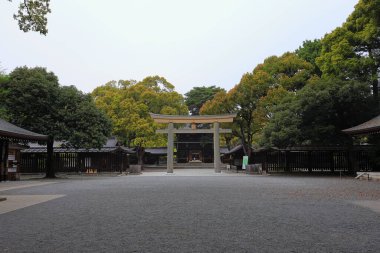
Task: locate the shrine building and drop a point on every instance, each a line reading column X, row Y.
column 197, row 137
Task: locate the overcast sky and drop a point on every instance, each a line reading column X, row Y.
column 190, row 43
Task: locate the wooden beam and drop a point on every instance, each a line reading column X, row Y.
column 184, row 119
column 193, row 131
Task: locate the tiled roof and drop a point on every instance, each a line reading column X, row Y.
column 112, row 142
column 157, row 151
column 223, row 150
column 80, row 150
column 370, row 127
column 10, row 131
column 112, row 145
column 233, row 150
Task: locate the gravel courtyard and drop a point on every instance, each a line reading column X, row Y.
column 199, row 212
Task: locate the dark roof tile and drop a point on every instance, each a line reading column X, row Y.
column 10, row 131
column 369, row 127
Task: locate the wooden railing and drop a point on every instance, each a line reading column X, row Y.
column 316, row 159
column 75, row 162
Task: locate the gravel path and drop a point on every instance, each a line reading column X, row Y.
column 231, row 213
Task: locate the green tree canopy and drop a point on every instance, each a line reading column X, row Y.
column 289, row 71
column 3, row 80
column 265, row 109
column 31, row 15
column 284, row 101
column 352, row 51
column 282, row 130
column 129, row 106
column 197, row 96
column 244, row 98
column 84, row 124
column 317, row 114
column 276, row 76
column 309, row 51
column 34, row 100
column 220, row 104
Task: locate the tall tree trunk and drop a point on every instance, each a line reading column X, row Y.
column 243, row 140
column 228, row 139
column 249, row 151
column 375, row 90
column 374, row 78
column 375, row 86
column 140, row 155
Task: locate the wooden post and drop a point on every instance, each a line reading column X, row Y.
column 170, row 155
column 350, row 159
column 4, row 158
column 216, row 148
column 2, row 164
column 50, row 171
column 265, row 161
column 121, row 160
column 78, row 163
column 332, row 164
column 287, row 164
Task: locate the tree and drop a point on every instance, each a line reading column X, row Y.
column 317, row 114
column 129, row 106
column 85, row 126
column 265, row 109
column 338, row 58
column 30, row 98
column 352, row 51
column 157, row 84
column 244, row 98
column 364, row 24
column 3, row 80
column 31, row 15
column 276, row 75
column 221, row 104
column 197, row 96
column 34, row 100
column 283, row 128
column 289, row 71
column 309, row 51
column 218, row 105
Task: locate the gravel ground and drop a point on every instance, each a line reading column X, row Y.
column 232, row 213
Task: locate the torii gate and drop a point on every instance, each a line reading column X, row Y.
column 193, row 120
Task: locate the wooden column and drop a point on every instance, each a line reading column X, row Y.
column 50, row 170
column 170, row 148
column 3, row 160
column 216, row 148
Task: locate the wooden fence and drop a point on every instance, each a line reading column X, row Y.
column 313, row 159
column 302, row 159
column 75, row 162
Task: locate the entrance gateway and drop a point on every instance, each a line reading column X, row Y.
column 193, row 121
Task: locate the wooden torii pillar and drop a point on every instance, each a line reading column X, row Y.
column 181, row 119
